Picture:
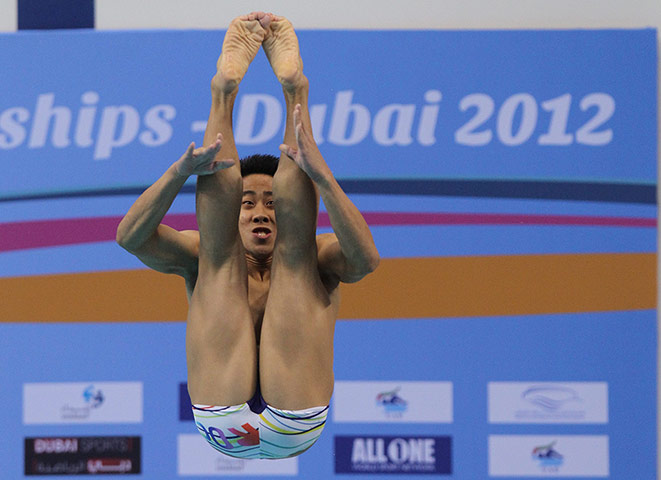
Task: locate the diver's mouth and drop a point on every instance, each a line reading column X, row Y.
column 261, row 232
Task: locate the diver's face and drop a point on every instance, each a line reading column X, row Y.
column 257, row 219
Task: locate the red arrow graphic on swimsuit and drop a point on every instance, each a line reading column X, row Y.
column 249, row 437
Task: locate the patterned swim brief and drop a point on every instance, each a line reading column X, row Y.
column 257, row 430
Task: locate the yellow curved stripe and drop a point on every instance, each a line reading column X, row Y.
column 504, row 285
column 400, row 288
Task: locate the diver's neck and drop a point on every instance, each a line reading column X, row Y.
column 259, row 268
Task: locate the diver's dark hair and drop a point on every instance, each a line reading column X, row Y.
column 259, row 163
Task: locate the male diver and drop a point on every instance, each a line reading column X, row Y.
column 262, row 286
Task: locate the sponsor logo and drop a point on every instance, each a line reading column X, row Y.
column 559, row 455
column 546, row 402
column 551, row 398
column 55, row 445
column 92, row 398
column 82, row 455
column 196, row 457
column 547, row 457
column 400, row 402
column 97, row 402
column 389, row 454
column 185, row 406
column 393, row 405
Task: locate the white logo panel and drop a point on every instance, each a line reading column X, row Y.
column 88, row 402
column 548, row 456
column 196, row 457
column 392, row 401
column 548, row 402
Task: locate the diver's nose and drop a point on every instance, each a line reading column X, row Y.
column 259, row 218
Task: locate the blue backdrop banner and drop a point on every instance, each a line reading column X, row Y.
column 89, row 110
column 526, row 157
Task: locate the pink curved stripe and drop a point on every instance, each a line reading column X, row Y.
column 51, row 233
